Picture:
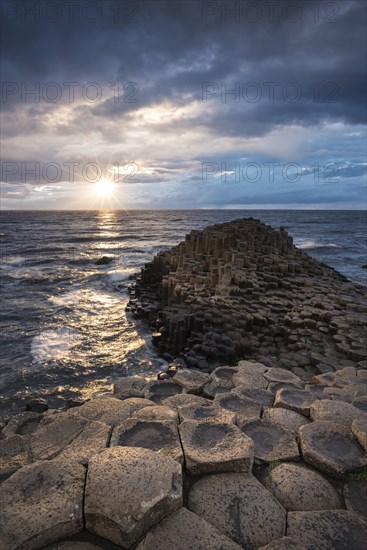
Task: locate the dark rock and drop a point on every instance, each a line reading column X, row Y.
column 104, row 260
column 37, row 405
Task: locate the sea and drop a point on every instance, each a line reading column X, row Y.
column 65, row 335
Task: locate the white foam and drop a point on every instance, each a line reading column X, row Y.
column 118, row 275
column 55, row 344
column 89, row 300
column 309, row 244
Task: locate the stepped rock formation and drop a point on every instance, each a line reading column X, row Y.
column 242, row 289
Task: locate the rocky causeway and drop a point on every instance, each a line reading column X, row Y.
column 255, row 437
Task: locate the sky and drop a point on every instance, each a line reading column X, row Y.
column 183, row 104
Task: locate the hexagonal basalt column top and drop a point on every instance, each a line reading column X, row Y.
column 331, row 448
column 41, row 503
column 156, row 435
column 215, row 447
column 240, row 507
column 128, row 491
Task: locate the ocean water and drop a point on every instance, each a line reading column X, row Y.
column 64, row 331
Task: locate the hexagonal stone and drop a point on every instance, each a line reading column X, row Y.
column 355, row 497
column 242, row 407
column 285, row 418
column 207, row 411
column 282, row 375
column 159, row 412
column 240, row 507
column 299, row 488
column 251, row 367
column 284, row 543
column 328, row 530
column 157, row 435
column 274, row 387
column 331, row 448
column 295, row 399
column 40, row 503
column 326, row 409
column 70, row 437
column 191, row 380
column 271, row 441
column 213, row 447
column 128, row 491
column 224, row 373
column 111, row 410
column 250, row 380
column 160, row 390
column 14, row 454
column 217, row 386
column 129, row 386
column 22, row 424
column 337, row 394
column 359, row 429
column 262, row 397
column 184, row 530
column 182, row 399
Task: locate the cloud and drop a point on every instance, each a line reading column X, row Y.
column 163, row 75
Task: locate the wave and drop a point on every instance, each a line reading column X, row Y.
column 309, row 244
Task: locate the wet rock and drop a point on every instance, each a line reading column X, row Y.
column 157, row 435
column 111, row 410
column 328, row 530
column 22, row 424
column 69, row 437
column 331, row 448
column 355, row 497
column 242, row 407
column 130, row 386
column 299, row 488
column 162, row 389
column 37, row 405
column 184, row 530
column 206, row 411
column 40, row 503
column 240, row 507
column 122, row 508
column 163, row 376
column 215, row 447
column 284, row 543
column 104, row 260
column 192, row 381
column 271, row 441
column 285, row 418
column 159, row 412
column 295, row 399
column 14, row 454
column 261, row 397
column 326, row 409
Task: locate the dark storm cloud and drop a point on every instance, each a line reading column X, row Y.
column 170, row 52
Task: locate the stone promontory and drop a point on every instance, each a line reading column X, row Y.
column 242, row 289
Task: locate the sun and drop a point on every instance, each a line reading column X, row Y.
column 105, row 187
